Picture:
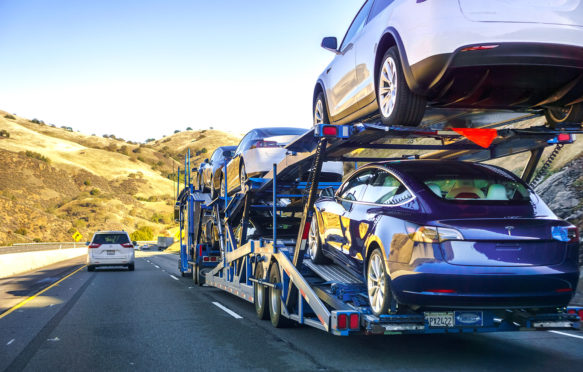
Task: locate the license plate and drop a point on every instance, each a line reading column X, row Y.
column 110, row 253
column 440, row 320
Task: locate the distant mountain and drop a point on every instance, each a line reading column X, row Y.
column 54, row 181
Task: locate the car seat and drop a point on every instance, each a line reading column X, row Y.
column 497, row 191
column 465, row 192
column 435, row 188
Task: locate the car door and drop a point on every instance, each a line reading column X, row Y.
column 235, row 163
column 209, row 170
column 341, row 75
column 366, row 44
column 336, row 216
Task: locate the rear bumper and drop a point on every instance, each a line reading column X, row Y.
column 510, row 75
column 104, row 261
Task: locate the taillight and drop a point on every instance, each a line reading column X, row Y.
column 329, row 131
column 432, row 234
column 354, row 321
column 127, row 245
column 263, row 144
column 94, row 245
column 568, row 234
column 479, row 47
column 342, row 321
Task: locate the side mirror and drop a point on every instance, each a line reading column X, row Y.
column 135, row 243
column 330, row 43
column 206, row 160
column 327, row 192
column 87, row 243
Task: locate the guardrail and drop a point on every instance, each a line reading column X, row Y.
column 48, row 246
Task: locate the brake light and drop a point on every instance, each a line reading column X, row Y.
column 200, row 250
column 563, row 290
column 330, row 131
column 354, row 321
column 264, row 144
column 432, row 234
column 568, row 234
column 94, row 245
column 127, row 245
column 479, row 47
column 342, row 321
column 205, row 259
column 441, row 290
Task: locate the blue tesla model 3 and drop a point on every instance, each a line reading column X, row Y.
column 446, row 234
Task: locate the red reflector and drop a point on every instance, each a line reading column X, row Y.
column 572, row 311
column 562, row 290
column 564, row 137
column 306, row 231
column 94, row 245
column 127, row 245
column 581, row 315
column 205, row 259
column 441, row 290
column 200, row 250
column 330, row 130
column 479, row 47
column 354, row 323
column 342, row 321
column 482, row 137
column 214, row 258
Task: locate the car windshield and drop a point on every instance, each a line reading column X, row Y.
column 110, row 239
column 469, row 182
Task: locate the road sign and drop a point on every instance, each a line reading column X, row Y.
column 77, row 236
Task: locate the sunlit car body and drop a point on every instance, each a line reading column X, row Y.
column 499, row 54
column 258, row 151
column 110, row 248
column 217, row 161
column 449, row 234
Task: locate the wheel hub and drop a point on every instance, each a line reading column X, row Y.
column 319, row 113
column 376, row 283
column 388, row 87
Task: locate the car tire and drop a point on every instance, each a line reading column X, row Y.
column 90, row 268
column 571, row 114
column 195, row 270
column 377, row 283
column 397, row 104
column 260, row 295
column 131, row 267
column 320, row 110
column 315, row 244
column 242, row 175
column 277, row 319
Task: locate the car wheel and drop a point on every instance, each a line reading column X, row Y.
column 215, row 243
column 314, row 243
column 569, row 114
column 131, row 267
column 260, row 295
column 90, row 268
column 377, row 284
column 277, row 319
column 397, row 104
column 242, row 175
column 320, row 110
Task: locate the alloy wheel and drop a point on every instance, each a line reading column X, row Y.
column 312, row 240
column 376, row 282
column 388, row 87
column 319, row 113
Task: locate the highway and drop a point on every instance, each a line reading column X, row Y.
column 153, row 319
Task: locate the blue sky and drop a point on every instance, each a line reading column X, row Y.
column 141, row 69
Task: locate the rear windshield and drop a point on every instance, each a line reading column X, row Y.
column 272, row 132
column 470, row 182
column 110, row 239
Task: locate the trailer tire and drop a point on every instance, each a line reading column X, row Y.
column 260, row 295
column 131, row 267
column 195, row 273
column 201, row 275
column 277, row 318
column 90, row 268
column 570, row 114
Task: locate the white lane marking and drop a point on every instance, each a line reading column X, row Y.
column 53, row 339
column 173, row 277
column 11, row 341
column 566, row 334
column 228, row 311
column 156, row 266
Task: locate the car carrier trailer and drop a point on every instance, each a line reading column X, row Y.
column 274, row 272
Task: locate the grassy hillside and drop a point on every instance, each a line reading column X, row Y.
column 54, row 181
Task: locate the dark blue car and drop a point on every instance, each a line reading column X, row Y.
column 207, row 180
column 447, row 234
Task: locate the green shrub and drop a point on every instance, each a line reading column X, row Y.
column 4, row 133
column 21, row 231
column 8, row 116
column 176, row 131
column 142, row 233
column 189, row 128
column 150, row 140
column 94, row 192
column 87, row 182
column 141, row 159
column 37, row 156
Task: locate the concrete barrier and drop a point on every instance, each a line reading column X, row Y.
column 17, row 263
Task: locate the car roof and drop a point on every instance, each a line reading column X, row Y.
column 429, row 167
column 279, row 131
column 110, row 232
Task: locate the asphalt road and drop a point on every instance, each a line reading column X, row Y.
column 152, row 319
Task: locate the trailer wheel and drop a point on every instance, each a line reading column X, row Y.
column 90, row 268
column 260, row 295
column 195, row 273
column 397, row 104
column 201, row 272
column 377, row 284
column 277, row 319
column 569, row 114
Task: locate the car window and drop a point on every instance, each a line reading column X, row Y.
column 386, row 189
column 110, row 239
column 357, row 24
column 378, row 6
column 245, row 142
column 216, row 156
column 355, row 186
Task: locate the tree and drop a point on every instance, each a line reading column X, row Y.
column 176, row 131
column 150, row 140
column 189, row 128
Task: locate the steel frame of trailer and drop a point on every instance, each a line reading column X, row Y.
column 337, row 307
